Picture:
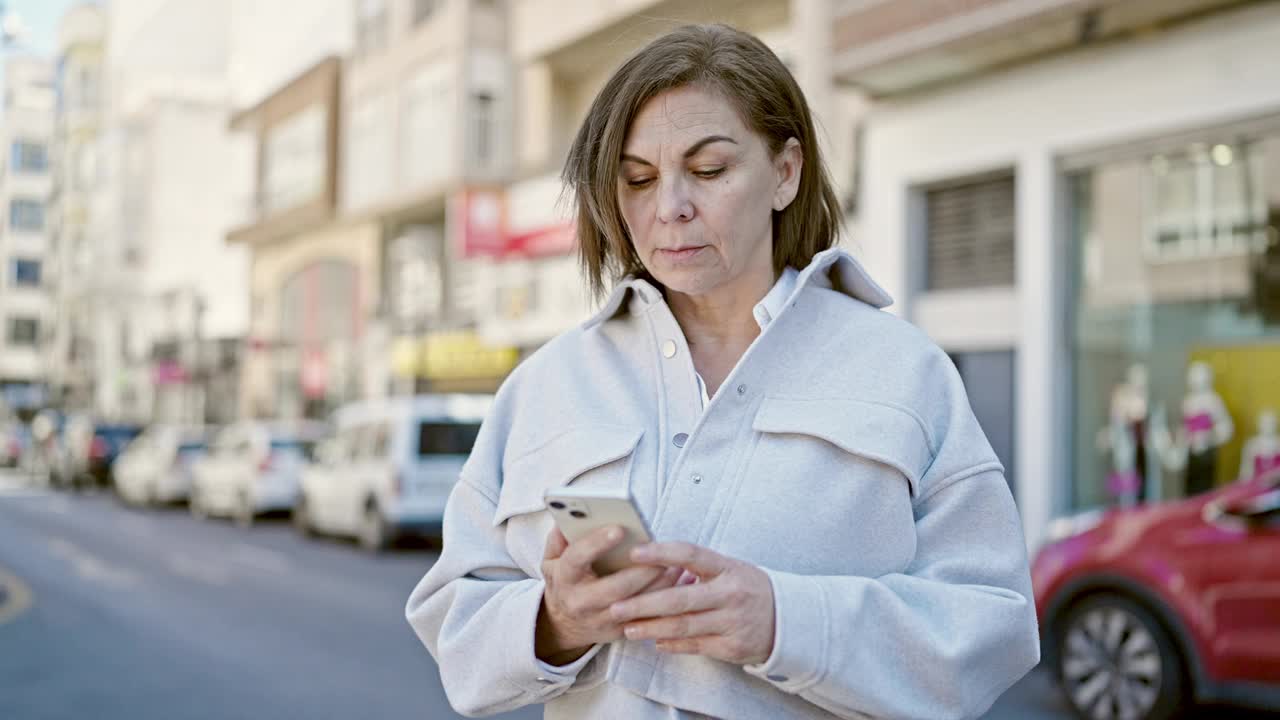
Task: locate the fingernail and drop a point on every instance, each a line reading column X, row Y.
column 632, row 632
column 615, row 534
column 616, row 610
column 641, row 553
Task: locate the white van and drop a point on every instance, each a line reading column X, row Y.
column 390, row 467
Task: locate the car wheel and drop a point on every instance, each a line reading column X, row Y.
column 1116, row 661
column 374, row 535
column 245, row 513
column 301, row 518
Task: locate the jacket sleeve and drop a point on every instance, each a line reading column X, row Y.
column 475, row 610
column 942, row 639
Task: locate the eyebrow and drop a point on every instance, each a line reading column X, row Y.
column 693, row 149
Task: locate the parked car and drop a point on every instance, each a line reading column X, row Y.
column 390, row 467
column 86, row 450
column 252, row 468
column 156, row 467
column 14, row 438
column 1147, row 611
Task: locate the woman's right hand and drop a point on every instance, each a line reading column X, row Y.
column 575, row 605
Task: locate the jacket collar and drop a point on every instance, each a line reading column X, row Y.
column 834, row 268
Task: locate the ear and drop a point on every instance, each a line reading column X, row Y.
column 788, row 163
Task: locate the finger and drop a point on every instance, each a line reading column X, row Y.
column 580, row 554
column 624, row 583
column 677, row 627
column 555, row 544
column 699, row 560
column 672, row 601
column 668, row 579
column 685, row 646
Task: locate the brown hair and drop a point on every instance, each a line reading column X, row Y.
column 766, row 96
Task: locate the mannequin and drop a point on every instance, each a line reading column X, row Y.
column 1262, row 451
column 1125, row 436
column 1206, row 426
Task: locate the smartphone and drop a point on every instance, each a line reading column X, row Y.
column 579, row 511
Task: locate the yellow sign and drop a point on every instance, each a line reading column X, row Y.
column 451, row 356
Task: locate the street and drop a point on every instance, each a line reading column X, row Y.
column 151, row 614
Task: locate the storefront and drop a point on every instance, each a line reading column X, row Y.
column 1176, row 325
column 451, row 362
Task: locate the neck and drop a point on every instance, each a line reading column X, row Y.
column 721, row 319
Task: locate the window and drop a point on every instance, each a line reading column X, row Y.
column 427, row 126
column 436, row 438
column 26, row 273
column 26, row 215
column 1205, row 201
column 295, row 160
column 369, row 164
column 970, row 233
column 23, row 331
column 29, row 157
column 371, row 26
column 423, row 9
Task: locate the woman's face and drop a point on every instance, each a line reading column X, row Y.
column 697, row 190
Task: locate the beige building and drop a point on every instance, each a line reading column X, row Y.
column 426, row 107
column 563, row 52
column 314, row 279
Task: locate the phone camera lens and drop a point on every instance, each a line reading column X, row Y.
column 577, row 513
column 557, row 504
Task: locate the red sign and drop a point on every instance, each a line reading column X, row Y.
column 483, row 222
column 482, row 230
column 169, row 372
column 551, row 240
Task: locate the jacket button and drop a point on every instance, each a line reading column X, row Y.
column 680, row 439
column 742, row 389
column 697, row 479
column 777, row 678
column 669, row 349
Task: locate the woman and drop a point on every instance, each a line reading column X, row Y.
column 837, row 536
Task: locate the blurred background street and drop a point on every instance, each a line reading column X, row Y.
column 263, row 264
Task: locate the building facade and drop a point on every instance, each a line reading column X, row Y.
column 1080, row 232
column 26, row 252
column 77, row 176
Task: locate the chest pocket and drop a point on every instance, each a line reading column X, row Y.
column 596, row 456
column 828, row 488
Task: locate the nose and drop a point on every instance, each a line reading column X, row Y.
column 674, row 204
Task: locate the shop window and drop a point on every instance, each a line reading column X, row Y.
column 1205, row 201
column 294, row 160
column 483, row 120
column 1174, row 364
column 969, row 231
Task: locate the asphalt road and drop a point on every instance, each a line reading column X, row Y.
column 110, row 612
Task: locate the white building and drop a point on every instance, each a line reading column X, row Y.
column 166, row 288
column 1057, row 196
column 26, row 258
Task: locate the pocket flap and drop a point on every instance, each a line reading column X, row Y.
column 556, row 462
column 875, row 431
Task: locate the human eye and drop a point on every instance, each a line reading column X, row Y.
column 639, row 182
column 708, row 173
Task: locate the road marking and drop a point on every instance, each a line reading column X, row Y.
column 15, row 596
column 91, row 567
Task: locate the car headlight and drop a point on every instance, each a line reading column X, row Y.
column 1072, row 525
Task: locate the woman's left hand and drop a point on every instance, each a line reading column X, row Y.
column 727, row 614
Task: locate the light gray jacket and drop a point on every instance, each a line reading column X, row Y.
column 841, row 455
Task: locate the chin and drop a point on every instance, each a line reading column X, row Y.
column 688, row 282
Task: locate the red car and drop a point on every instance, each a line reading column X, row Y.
column 1147, row 611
